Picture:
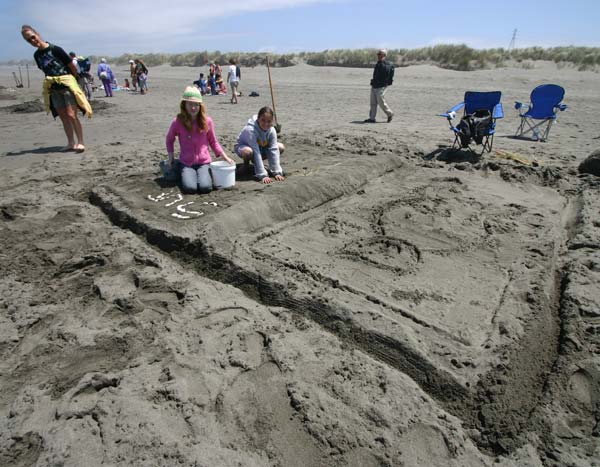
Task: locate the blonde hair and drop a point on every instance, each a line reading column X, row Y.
column 184, row 117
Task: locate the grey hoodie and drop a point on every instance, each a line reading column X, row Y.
column 263, row 143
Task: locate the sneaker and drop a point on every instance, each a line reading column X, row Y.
column 369, row 120
column 390, row 118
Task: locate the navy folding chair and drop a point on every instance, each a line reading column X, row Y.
column 475, row 102
column 538, row 116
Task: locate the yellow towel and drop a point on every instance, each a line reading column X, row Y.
column 71, row 83
column 516, row 157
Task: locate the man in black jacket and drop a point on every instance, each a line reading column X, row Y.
column 383, row 76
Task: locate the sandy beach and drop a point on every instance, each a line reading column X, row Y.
column 389, row 304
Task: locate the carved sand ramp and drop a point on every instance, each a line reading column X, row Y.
column 451, row 293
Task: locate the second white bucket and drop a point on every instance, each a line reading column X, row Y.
column 223, row 174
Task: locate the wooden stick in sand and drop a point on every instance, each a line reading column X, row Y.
column 19, row 85
column 277, row 125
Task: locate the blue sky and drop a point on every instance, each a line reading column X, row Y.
column 122, row 26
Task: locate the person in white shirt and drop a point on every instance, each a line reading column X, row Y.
column 233, row 81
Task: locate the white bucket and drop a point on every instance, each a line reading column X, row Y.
column 223, row 174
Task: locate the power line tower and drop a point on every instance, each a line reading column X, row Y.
column 511, row 46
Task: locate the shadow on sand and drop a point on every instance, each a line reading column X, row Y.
column 450, row 155
column 161, row 182
column 48, row 150
column 362, row 122
column 521, row 138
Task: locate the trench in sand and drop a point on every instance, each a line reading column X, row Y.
column 399, row 292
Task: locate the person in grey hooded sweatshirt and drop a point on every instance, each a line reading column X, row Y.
column 258, row 141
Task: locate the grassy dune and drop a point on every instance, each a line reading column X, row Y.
column 454, row 57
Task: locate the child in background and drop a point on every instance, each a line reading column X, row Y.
column 196, row 133
column 212, row 80
column 202, row 84
column 221, row 86
column 258, row 141
column 141, row 72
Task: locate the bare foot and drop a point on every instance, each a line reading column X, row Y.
column 79, row 147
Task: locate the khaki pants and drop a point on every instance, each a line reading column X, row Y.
column 377, row 99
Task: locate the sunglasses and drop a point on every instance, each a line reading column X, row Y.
column 32, row 38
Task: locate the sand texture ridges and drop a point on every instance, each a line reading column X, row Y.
column 391, row 303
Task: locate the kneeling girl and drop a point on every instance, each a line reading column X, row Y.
column 196, row 132
column 258, row 141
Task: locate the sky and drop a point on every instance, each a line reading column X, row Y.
column 286, row 26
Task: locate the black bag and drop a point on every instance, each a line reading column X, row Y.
column 474, row 126
column 482, row 122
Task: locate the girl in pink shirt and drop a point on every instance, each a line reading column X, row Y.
column 196, row 132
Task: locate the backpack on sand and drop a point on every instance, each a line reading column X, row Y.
column 474, row 126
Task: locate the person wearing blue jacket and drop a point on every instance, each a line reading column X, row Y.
column 106, row 76
column 258, row 141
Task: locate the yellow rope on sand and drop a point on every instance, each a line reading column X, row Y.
column 514, row 156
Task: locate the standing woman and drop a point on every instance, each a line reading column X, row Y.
column 106, row 76
column 62, row 94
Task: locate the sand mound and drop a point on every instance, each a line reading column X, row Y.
column 99, row 105
column 26, row 107
column 591, row 164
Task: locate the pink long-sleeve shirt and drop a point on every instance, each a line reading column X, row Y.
column 193, row 144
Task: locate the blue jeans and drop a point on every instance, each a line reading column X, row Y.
column 196, row 178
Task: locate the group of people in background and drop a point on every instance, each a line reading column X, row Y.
column 214, row 84
column 137, row 68
column 64, row 73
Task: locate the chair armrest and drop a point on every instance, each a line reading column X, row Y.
column 498, row 111
column 522, row 105
column 450, row 114
column 456, row 108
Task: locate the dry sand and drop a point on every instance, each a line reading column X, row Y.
column 388, row 304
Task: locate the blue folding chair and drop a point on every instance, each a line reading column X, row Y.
column 540, row 113
column 475, row 102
